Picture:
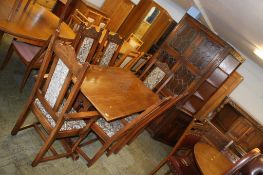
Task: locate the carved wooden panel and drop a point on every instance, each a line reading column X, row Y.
column 204, row 53
column 183, row 38
column 181, row 80
column 167, row 58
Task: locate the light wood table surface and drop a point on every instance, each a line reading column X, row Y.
column 36, row 23
column 210, row 160
column 116, row 93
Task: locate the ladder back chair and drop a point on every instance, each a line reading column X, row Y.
column 30, row 55
column 86, row 43
column 97, row 19
column 29, row 52
column 108, row 49
column 76, row 19
column 140, row 63
column 129, row 59
column 137, row 131
column 156, row 75
column 134, row 41
column 17, row 5
column 52, row 98
column 110, row 133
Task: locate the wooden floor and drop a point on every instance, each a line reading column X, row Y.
column 17, row 152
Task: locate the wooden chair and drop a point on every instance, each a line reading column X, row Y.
column 86, row 43
column 108, row 49
column 30, row 55
column 156, row 75
column 197, row 131
column 76, row 19
column 97, row 19
column 17, row 6
column 111, row 133
column 140, row 63
column 134, row 41
column 253, row 154
column 128, row 60
column 51, row 100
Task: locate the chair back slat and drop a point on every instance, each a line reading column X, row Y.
column 109, row 49
column 156, row 74
column 129, row 59
column 86, row 43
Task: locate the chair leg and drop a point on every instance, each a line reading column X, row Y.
column 159, row 166
column 25, row 77
column 8, row 57
column 21, row 120
column 51, row 138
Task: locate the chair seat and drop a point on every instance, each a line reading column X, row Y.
column 27, row 51
column 110, row 128
column 68, row 125
column 131, row 117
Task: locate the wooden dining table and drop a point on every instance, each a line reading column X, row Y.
column 36, row 23
column 116, row 93
column 209, row 160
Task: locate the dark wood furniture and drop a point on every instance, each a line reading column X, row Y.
column 202, row 64
column 209, row 160
column 237, row 124
column 116, row 133
column 250, row 156
column 51, row 102
column 27, row 24
column 115, row 92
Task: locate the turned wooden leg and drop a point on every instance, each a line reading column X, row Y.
column 8, row 57
column 25, row 77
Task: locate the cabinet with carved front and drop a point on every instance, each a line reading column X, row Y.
column 202, row 63
column 237, row 124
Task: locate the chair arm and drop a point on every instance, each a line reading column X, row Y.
column 82, row 115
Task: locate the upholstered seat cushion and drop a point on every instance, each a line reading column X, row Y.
column 110, row 128
column 131, row 117
column 27, row 51
column 68, row 124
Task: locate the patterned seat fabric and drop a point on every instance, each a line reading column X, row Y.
column 108, row 54
column 110, row 128
column 155, row 77
column 125, row 62
column 131, row 117
column 85, row 49
column 52, row 93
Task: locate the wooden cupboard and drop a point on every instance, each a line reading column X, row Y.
column 203, row 64
column 148, row 20
column 237, row 124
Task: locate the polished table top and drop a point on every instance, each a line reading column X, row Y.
column 36, row 23
column 210, row 160
column 116, row 93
